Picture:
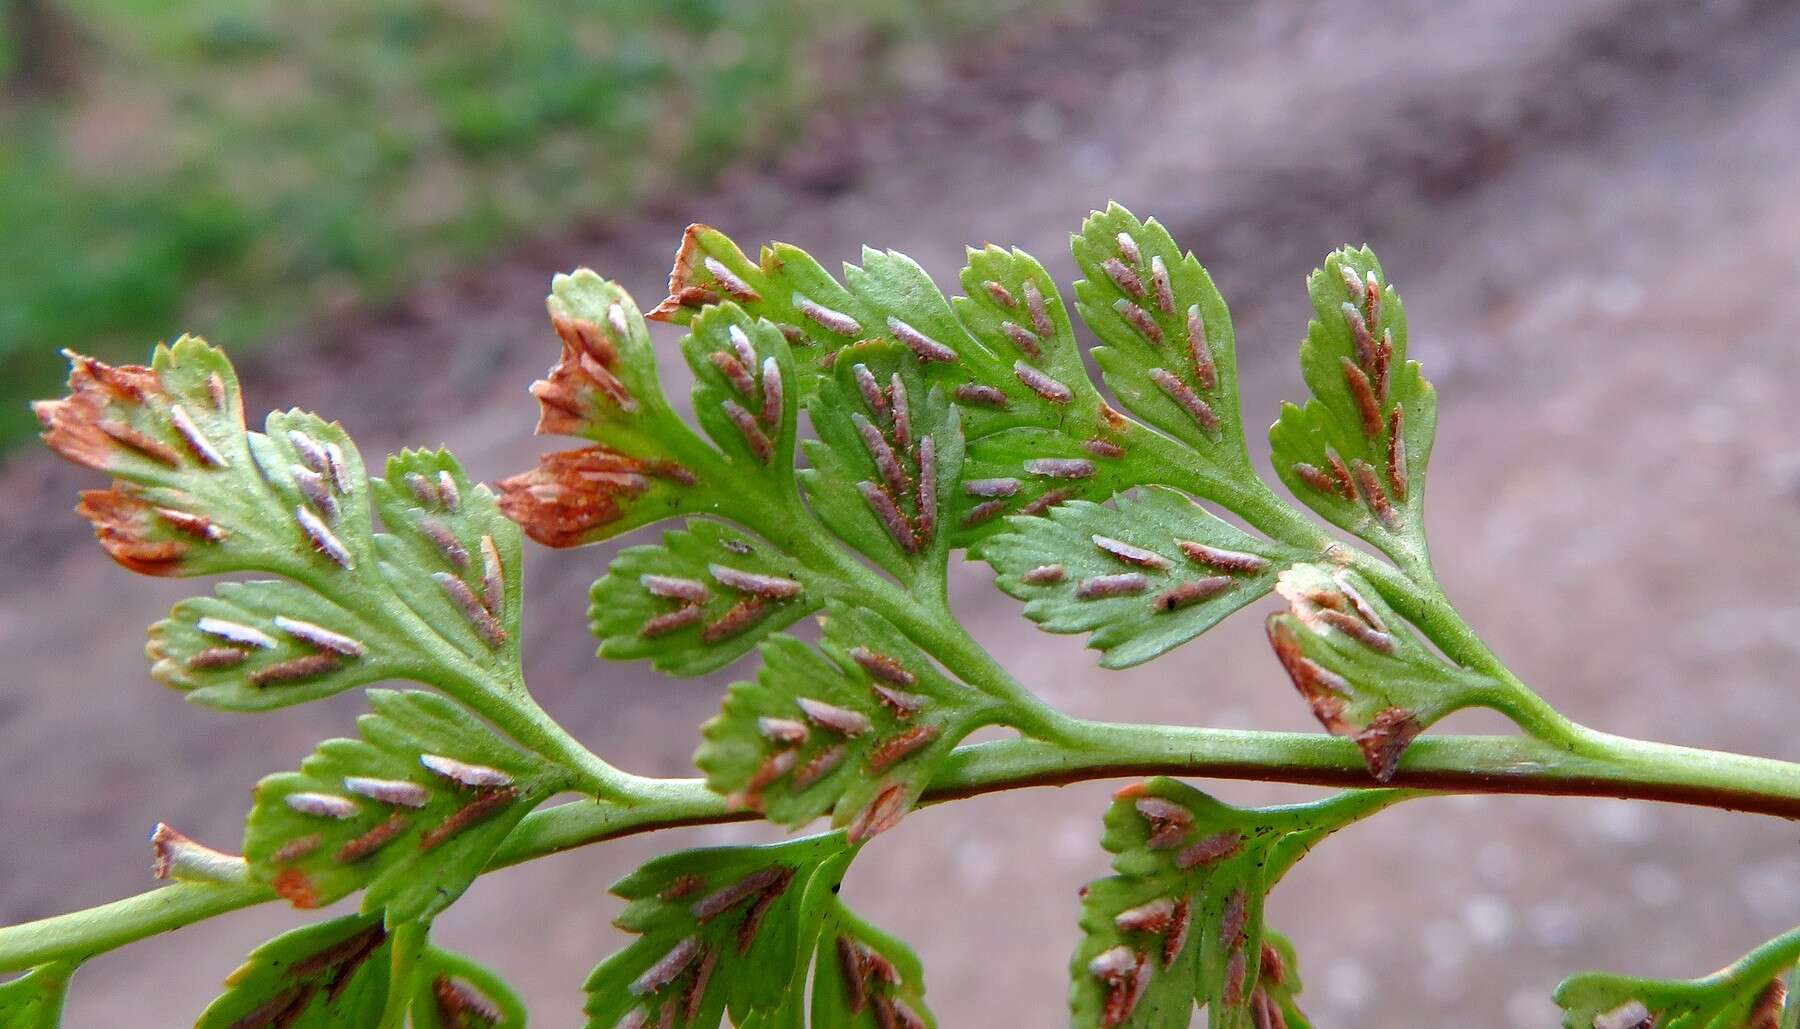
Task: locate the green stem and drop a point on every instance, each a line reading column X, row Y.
column 81, row 934
column 1613, row 766
column 1235, row 487
column 519, row 715
column 1617, row 767
column 1769, row 961
column 408, row 946
column 1425, row 606
column 1251, row 499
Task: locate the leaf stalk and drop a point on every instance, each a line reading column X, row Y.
column 1604, row 766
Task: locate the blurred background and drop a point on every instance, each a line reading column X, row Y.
column 1589, row 206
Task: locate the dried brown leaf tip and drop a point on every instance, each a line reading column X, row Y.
column 144, row 537
column 584, row 384
column 106, row 416
column 125, row 419
column 708, row 268
column 573, row 493
column 129, row 420
column 1387, row 736
column 1325, row 691
column 175, row 856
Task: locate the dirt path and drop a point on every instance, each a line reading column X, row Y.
column 1591, row 214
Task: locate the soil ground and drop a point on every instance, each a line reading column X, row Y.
column 1591, row 211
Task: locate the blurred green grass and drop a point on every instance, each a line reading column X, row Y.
column 229, row 166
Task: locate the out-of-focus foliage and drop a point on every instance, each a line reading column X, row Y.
column 227, row 164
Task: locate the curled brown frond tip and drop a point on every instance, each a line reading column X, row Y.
column 1325, row 604
column 584, row 380
column 696, row 280
column 1387, row 736
column 140, row 536
column 1325, row 691
column 92, row 425
column 572, row 493
column 175, row 856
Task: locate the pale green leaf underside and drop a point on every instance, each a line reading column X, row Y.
column 865, row 978
column 678, row 604
column 398, row 811
column 358, row 606
column 199, row 649
column 1185, row 907
column 455, row 529
column 340, row 973
column 734, row 931
column 1168, row 348
column 742, row 952
column 854, row 728
column 888, row 453
column 1357, row 452
column 1004, row 353
column 35, row 1000
column 1039, row 437
column 983, row 332
column 787, row 287
column 1144, row 575
column 743, row 394
column 1029, row 471
column 321, row 976
column 1011, row 314
column 997, row 308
